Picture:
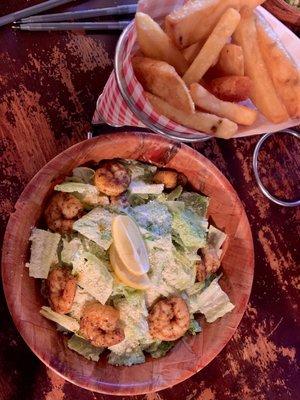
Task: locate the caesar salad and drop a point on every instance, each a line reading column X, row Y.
column 127, row 261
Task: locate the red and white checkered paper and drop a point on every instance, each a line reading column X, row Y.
column 112, row 108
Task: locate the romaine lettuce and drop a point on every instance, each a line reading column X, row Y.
column 139, row 170
column 194, row 327
column 174, row 194
column 159, row 349
column 133, row 316
column 96, row 226
column 195, row 202
column 70, row 250
column 80, row 299
column 135, row 356
column 84, row 348
column 93, row 276
column 83, row 174
column 65, row 321
column 179, row 272
column 154, row 217
column 213, row 302
column 140, row 187
column 190, row 228
column 43, row 254
column 215, row 238
column 82, row 188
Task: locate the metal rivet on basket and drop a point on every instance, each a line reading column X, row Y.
column 255, row 168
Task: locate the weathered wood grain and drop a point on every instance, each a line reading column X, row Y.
column 260, row 362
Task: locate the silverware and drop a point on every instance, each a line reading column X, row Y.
column 66, row 26
column 96, row 12
column 26, row 12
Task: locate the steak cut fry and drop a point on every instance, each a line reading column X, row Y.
column 263, row 93
column 202, row 122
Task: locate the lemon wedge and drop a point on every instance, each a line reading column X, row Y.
column 141, row 282
column 129, row 245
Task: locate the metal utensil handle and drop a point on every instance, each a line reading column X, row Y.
column 257, row 177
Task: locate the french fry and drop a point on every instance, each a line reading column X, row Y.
column 208, row 123
column 196, row 20
column 262, row 92
column 161, row 79
column 231, row 60
column 251, row 3
column 213, row 46
column 208, row 102
column 155, row 43
column 231, row 88
column 284, row 72
column 191, row 52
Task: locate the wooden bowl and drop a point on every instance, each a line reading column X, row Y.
column 192, row 353
column 284, row 11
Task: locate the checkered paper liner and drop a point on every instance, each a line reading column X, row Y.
column 113, row 109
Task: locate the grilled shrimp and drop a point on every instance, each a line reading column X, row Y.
column 62, row 210
column 209, row 264
column 112, row 178
column 169, row 319
column 169, row 178
column 61, row 289
column 100, row 324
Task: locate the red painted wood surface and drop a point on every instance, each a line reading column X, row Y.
column 49, row 84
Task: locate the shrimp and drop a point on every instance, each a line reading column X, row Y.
column 100, row 324
column 112, row 178
column 61, row 289
column 170, row 178
column 62, row 210
column 209, row 264
column 169, row 319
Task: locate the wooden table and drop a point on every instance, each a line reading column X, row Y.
column 49, row 84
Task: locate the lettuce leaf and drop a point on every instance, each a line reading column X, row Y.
column 140, row 187
column 195, row 202
column 190, row 228
column 194, row 327
column 84, row 174
column 137, row 199
column 70, row 250
column 84, row 348
column 65, row 321
column 91, row 247
column 80, row 299
column 93, row 276
column 96, row 226
column 136, row 356
column 160, row 349
column 179, row 272
column 160, row 254
column 88, row 194
column 154, row 217
column 216, row 238
column 133, row 316
column 213, row 302
column 174, row 206
column 140, row 170
column 174, row 194
column 43, row 252
column 119, row 289
column 82, row 188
